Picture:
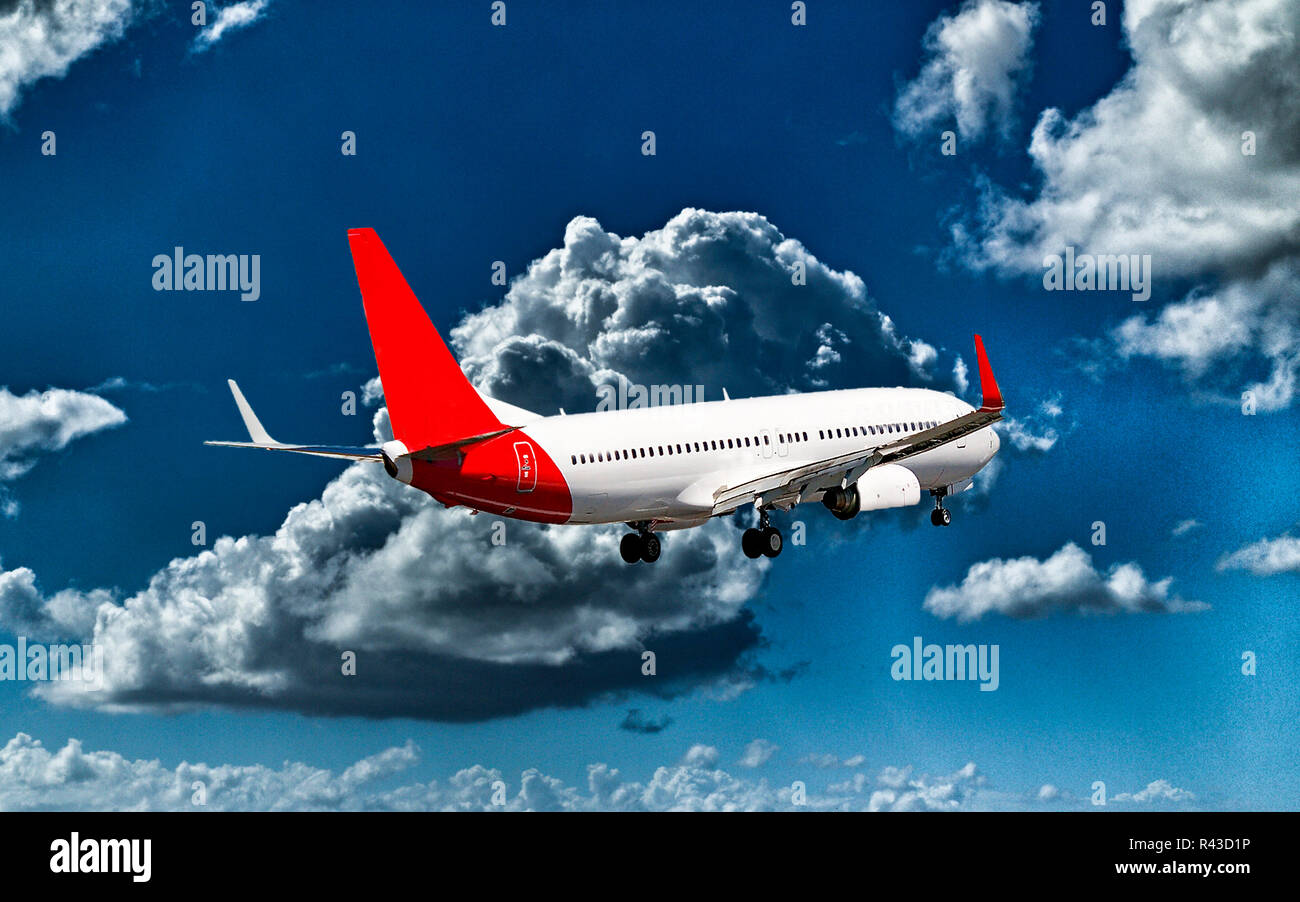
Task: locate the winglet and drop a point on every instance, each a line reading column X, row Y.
column 254, row 426
column 988, row 385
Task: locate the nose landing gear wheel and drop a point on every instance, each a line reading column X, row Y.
column 941, row 516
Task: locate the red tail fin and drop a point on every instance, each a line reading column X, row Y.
column 430, row 402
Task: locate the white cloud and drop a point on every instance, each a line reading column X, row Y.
column 1156, row 792
column 975, row 61
column 33, row 777
column 1156, row 167
column 45, row 422
column 42, row 39
column 757, row 753
column 898, row 789
column 1024, row 438
column 229, row 18
column 706, row 300
column 1183, row 527
column 700, row 756
column 1217, row 336
column 1066, row 582
column 1265, row 557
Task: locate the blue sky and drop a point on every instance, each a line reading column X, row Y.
column 478, row 143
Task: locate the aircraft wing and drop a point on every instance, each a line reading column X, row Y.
column 789, row 486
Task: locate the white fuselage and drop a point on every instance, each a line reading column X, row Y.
column 665, row 463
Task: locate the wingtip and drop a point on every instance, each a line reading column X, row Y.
column 992, row 395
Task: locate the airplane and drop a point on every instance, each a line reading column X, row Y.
column 654, row 469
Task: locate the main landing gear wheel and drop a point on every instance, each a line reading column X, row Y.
column 650, row 548
column 764, row 540
column 771, row 541
column 630, row 548
column 640, row 546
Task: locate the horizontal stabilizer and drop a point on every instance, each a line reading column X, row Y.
column 262, row 439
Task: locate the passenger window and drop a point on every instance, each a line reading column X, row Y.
column 728, row 443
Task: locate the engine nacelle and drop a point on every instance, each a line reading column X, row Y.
column 396, row 462
column 888, row 485
column 842, row 502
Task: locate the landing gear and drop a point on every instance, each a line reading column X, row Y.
column 640, row 546
column 764, row 540
column 940, row 516
column 650, row 548
column 630, row 548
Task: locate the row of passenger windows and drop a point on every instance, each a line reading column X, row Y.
column 785, row 438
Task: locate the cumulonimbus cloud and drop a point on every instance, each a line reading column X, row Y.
column 1065, row 582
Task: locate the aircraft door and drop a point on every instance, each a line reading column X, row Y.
column 526, row 461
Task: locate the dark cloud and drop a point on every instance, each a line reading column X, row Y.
column 636, row 722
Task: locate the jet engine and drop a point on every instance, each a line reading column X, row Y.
column 396, row 462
